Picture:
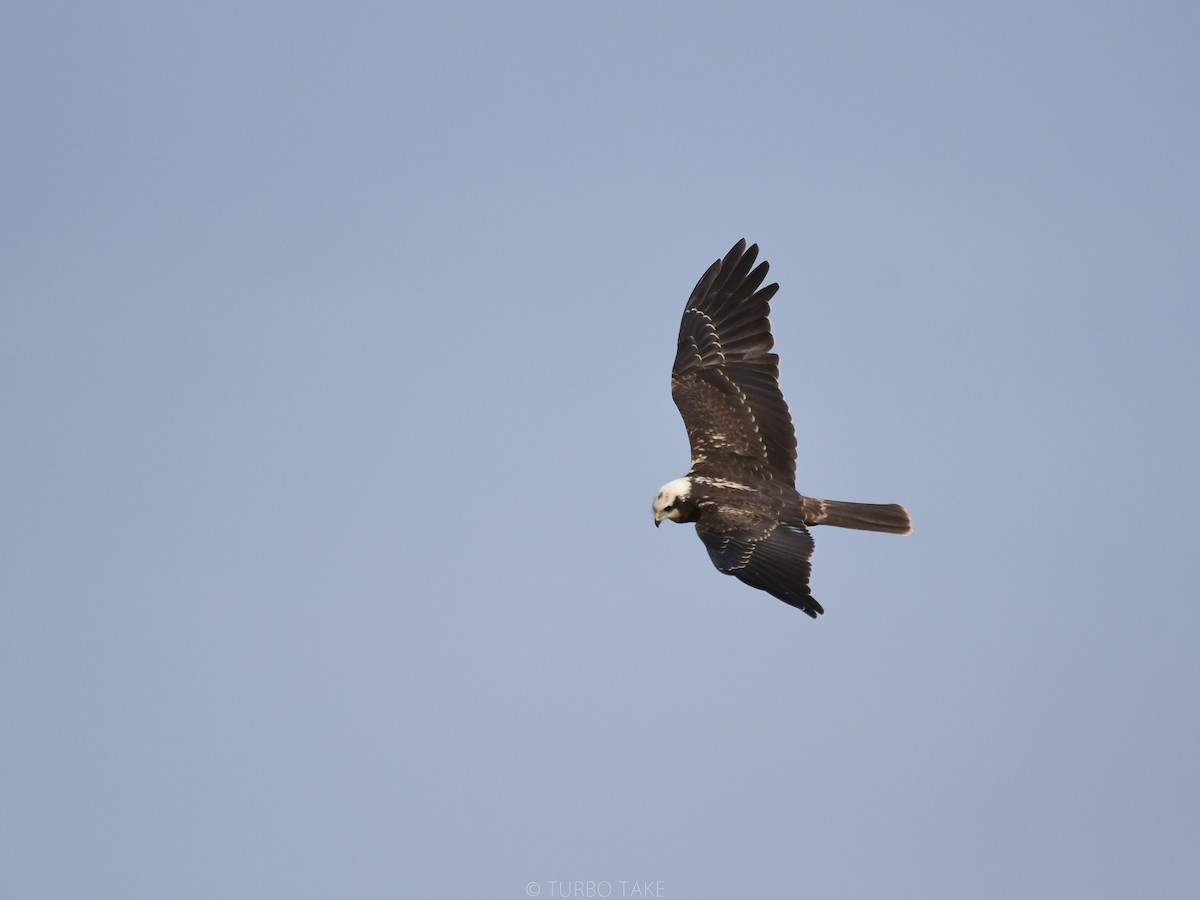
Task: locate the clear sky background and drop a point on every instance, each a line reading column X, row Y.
column 336, row 343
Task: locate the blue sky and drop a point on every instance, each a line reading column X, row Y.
column 336, row 347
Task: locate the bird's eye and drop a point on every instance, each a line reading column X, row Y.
column 668, row 507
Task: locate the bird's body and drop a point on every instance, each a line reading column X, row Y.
column 741, row 490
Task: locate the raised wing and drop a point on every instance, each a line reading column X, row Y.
column 726, row 379
column 774, row 559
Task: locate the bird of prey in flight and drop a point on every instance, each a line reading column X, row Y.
column 741, row 490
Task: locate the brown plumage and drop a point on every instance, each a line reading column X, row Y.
column 741, row 490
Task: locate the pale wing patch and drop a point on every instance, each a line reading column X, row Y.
column 749, row 410
column 722, row 483
column 719, row 401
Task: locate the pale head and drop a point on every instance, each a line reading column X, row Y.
column 673, row 501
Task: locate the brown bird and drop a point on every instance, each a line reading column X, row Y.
column 741, row 490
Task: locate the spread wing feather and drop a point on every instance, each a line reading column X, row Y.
column 775, row 559
column 726, row 379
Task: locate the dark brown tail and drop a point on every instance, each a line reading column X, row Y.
column 890, row 517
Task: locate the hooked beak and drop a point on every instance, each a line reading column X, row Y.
column 657, row 519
